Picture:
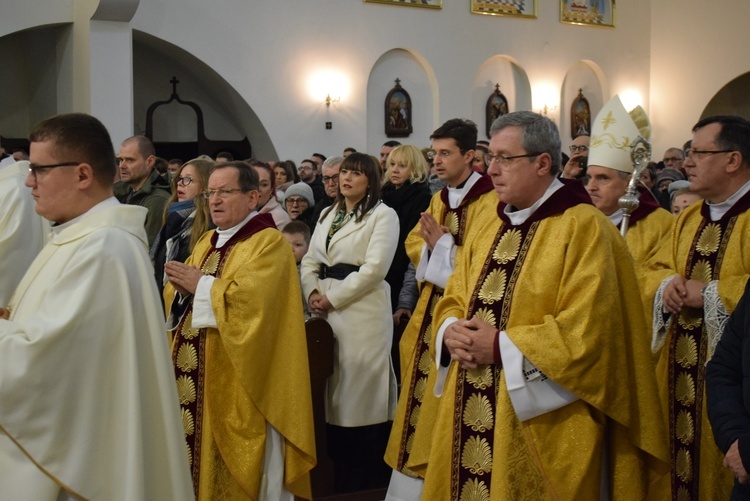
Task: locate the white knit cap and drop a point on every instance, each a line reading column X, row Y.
column 613, row 133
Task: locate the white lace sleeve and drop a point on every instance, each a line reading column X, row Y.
column 715, row 316
column 661, row 322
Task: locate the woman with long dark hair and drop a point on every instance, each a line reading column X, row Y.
column 343, row 277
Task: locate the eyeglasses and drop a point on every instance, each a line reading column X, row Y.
column 184, row 181
column 697, row 154
column 432, row 154
column 328, row 179
column 296, row 201
column 34, row 169
column 220, row 192
column 573, row 148
column 507, row 161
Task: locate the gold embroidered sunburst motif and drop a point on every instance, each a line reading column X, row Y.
column 709, row 241
column 480, row 378
column 493, row 287
column 187, row 327
column 187, row 422
column 487, row 315
column 685, row 429
column 474, row 490
column 410, row 442
column 689, row 320
column 185, row 390
column 508, row 246
column 211, row 264
column 683, row 465
column 451, row 222
column 414, row 418
column 478, row 413
column 686, row 351
column 427, row 336
column 685, row 389
column 187, row 358
column 433, row 303
column 189, row 454
column 702, row 271
column 425, row 362
column 419, row 388
column 477, row 456
column 683, row 494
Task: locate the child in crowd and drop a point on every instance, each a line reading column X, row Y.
column 682, row 199
column 298, row 235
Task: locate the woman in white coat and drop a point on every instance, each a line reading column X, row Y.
column 343, row 277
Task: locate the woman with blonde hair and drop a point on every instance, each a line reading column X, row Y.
column 405, row 191
column 186, row 216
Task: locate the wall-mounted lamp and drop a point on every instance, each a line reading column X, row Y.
column 330, row 100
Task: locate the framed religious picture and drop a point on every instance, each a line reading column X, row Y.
column 580, row 116
column 398, row 112
column 497, row 105
column 430, row 4
column 588, row 12
column 517, row 8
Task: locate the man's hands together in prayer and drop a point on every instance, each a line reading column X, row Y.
column 681, row 292
column 183, row 277
column 430, row 230
column 471, row 342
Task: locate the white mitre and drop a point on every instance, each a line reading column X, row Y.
column 612, row 134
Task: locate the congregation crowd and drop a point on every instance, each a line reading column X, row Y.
column 505, row 329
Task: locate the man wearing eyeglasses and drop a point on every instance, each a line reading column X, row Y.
column 240, row 352
column 673, row 159
column 308, row 173
column 89, row 410
column 141, row 183
column 707, row 254
column 542, row 373
column 331, row 168
column 575, row 168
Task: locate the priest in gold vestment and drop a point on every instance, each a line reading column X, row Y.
column 550, row 392
column 240, row 352
column 708, row 255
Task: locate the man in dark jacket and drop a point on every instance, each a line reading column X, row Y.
column 728, row 392
column 140, row 184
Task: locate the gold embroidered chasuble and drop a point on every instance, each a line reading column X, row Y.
column 250, row 371
column 417, row 404
column 573, row 309
column 706, row 251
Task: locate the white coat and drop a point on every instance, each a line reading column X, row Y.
column 362, row 389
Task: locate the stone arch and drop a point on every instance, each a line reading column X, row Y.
column 731, row 99
column 588, row 76
column 418, row 79
column 506, row 72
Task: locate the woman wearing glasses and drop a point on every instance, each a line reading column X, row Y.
column 343, row 277
column 186, row 217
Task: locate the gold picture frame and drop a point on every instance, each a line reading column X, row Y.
column 513, row 8
column 582, row 13
column 428, row 4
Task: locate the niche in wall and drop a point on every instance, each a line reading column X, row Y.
column 732, row 99
column 514, row 84
column 587, row 76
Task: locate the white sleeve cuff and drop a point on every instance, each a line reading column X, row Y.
column 422, row 266
column 442, row 261
column 531, row 395
column 661, row 319
column 442, row 372
column 203, row 312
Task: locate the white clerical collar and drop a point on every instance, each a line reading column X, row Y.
column 520, row 216
column 104, row 204
column 717, row 211
column 456, row 195
column 616, row 217
column 225, row 235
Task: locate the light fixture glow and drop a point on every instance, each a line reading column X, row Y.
column 328, row 86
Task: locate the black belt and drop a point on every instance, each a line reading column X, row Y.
column 337, row 271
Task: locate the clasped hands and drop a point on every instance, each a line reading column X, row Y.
column 471, row 343
column 183, row 277
column 319, row 304
column 680, row 292
column 430, row 230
